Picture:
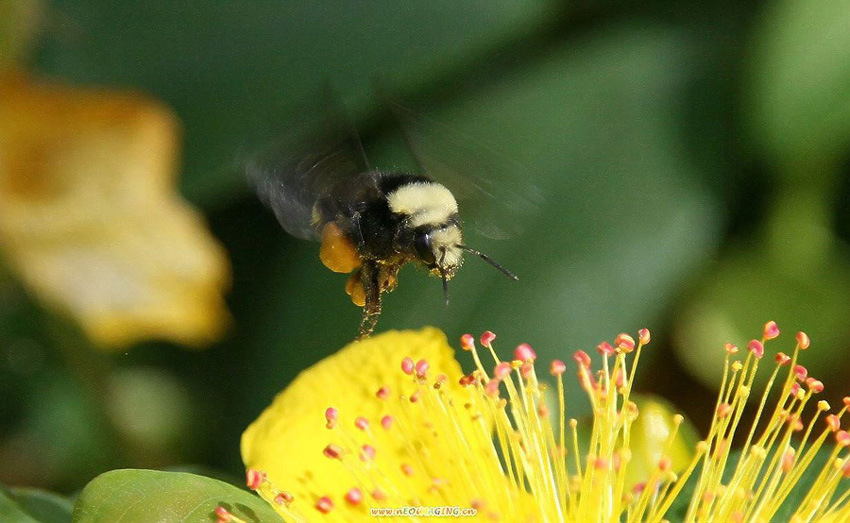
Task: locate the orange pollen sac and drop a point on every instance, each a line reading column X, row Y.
column 337, row 252
column 354, row 288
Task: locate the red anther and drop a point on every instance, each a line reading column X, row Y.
column 524, row 352
column 644, row 337
column 816, row 386
column 833, row 422
column 846, row 401
column 842, row 438
column 543, row 410
column 600, row 463
column 492, row 388
column 581, row 358
column 487, row 338
column 415, row 396
column 378, row 495
column 730, row 348
column 331, row 416
column 756, row 347
column 223, row 514
column 801, row 373
column 557, row 367
column 354, row 496
column 605, row 349
column 407, row 365
column 771, row 330
column 723, row 410
column 664, row 464
column 782, row 359
column 467, row 342
column 795, row 389
column 441, row 378
column 638, row 488
column 465, row 381
column 788, row 459
column 284, row 498
column 477, row 504
column 803, row 340
column 407, row 469
column 798, row 425
column 619, row 378
column 324, row 504
column 383, row 393
column 422, row 367
column 387, row 422
column 361, row 423
column 332, row 451
column 845, row 470
column 624, row 342
column 254, row 478
column 368, row 453
column 502, row 370
column 526, row 370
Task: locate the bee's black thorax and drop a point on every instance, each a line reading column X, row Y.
column 360, row 207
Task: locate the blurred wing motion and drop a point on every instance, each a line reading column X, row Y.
column 496, row 194
column 290, row 180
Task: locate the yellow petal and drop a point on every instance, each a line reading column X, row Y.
column 90, row 219
column 287, row 440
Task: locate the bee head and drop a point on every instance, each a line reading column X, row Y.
column 438, row 248
column 430, row 212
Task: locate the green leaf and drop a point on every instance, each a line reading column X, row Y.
column 800, row 81
column 23, row 505
column 131, row 495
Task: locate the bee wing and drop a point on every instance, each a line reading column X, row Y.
column 289, row 180
column 496, row 195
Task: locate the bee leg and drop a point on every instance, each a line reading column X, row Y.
column 369, row 277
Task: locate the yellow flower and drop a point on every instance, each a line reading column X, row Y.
column 91, row 222
column 367, row 430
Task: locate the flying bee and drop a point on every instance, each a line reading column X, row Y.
column 370, row 222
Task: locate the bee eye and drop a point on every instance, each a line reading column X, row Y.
column 422, row 244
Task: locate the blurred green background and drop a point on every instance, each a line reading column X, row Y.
column 693, row 158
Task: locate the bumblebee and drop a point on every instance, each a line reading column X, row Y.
column 370, row 223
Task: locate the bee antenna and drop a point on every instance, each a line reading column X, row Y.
column 443, row 276
column 489, row 260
